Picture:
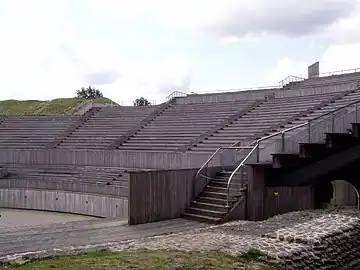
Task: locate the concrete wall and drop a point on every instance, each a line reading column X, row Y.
column 61, row 201
column 262, row 93
column 264, row 202
column 225, row 96
column 314, row 70
column 344, row 194
column 319, row 89
column 159, row 195
column 279, row 200
column 108, row 158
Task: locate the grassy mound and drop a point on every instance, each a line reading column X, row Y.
column 36, row 107
column 143, row 259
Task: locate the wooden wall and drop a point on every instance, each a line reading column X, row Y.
column 264, row 202
column 108, row 158
column 159, row 195
column 39, row 184
column 279, row 200
column 66, row 202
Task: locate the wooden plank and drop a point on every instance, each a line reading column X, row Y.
column 159, row 195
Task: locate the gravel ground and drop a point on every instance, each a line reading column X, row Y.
column 291, row 235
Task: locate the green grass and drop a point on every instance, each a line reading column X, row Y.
column 37, row 107
column 146, row 259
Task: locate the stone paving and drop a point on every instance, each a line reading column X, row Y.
column 279, row 236
column 306, row 240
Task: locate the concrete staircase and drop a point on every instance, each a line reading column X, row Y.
column 73, row 127
column 210, row 206
column 338, row 157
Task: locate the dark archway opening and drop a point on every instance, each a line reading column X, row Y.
column 323, row 194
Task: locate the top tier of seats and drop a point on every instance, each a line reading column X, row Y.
column 105, row 126
column 265, row 118
column 180, row 124
column 32, row 132
column 332, row 79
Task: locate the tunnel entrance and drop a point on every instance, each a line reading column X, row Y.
column 323, row 194
column 337, row 193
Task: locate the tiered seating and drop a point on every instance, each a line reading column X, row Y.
column 105, row 126
column 180, row 124
column 334, row 79
column 263, row 118
column 69, row 173
column 32, row 132
column 344, row 101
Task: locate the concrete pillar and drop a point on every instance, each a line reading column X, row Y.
column 314, row 70
column 3, row 172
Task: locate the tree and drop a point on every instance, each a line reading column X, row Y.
column 141, row 102
column 88, row 93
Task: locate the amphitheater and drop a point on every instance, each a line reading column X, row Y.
column 193, row 170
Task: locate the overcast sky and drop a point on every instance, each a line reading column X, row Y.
column 149, row 48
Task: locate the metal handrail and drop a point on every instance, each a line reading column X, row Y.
column 217, row 151
column 257, row 148
column 290, row 79
column 282, row 133
column 339, row 72
column 176, row 94
column 212, row 156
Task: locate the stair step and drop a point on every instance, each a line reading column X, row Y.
column 201, row 218
column 213, row 200
column 225, row 179
column 211, row 188
column 210, row 206
column 220, row 195
column 340, row 140
column 206, row 212
column 222, row 184
column 225, row 173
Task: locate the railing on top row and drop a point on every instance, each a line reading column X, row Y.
column 175, row 94
column 290, row 79
column 339, row 72
column 270, row 87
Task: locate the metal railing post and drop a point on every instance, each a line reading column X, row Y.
column 333, row 122
column 283, row 142
column 309, row 131
column 356, row 109
column 257, row 152
column 193, row 191
column 242, row 177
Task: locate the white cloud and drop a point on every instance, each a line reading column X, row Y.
column 335, row 58
column 50, row 48
column 284, row 68
column 340, row 57
column 240, row 18
column 48, row 51
column 346, row 30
